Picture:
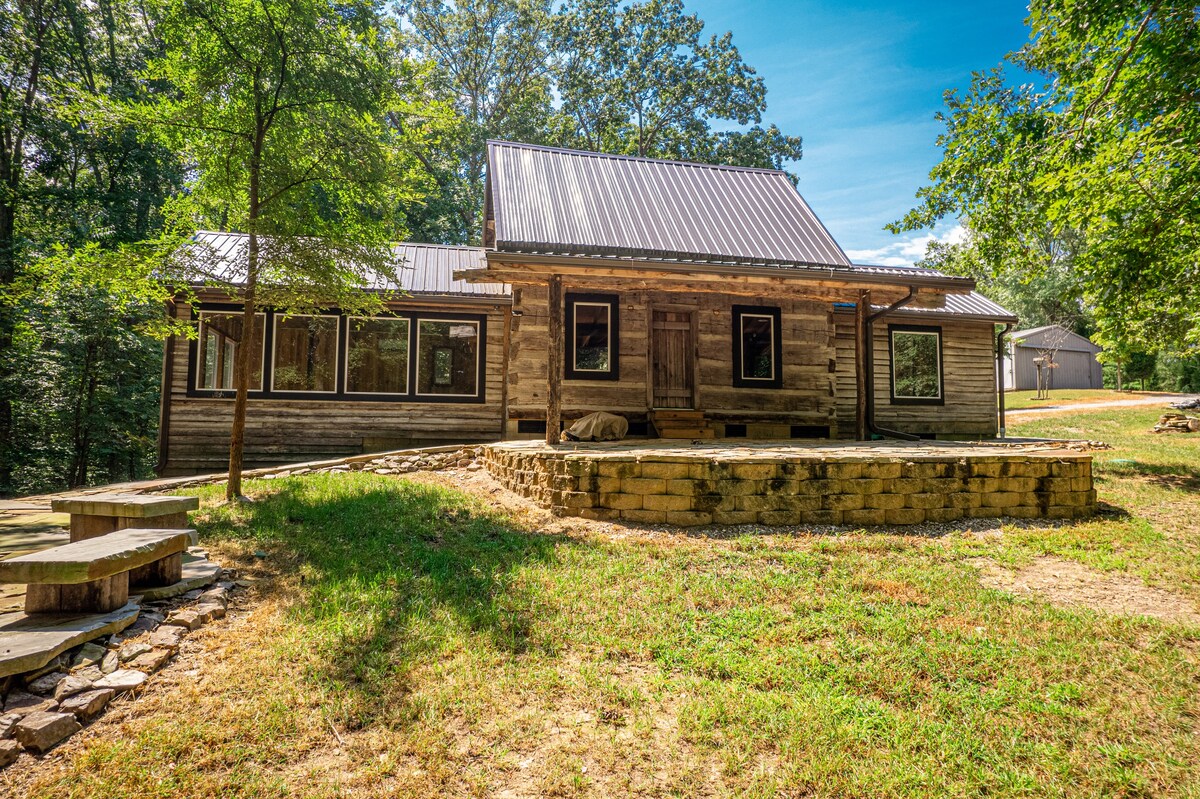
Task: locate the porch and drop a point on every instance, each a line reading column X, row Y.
column 786, row 483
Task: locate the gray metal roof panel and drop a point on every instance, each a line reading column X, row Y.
column 549, row 200
column 426, row 269
column 973, row 305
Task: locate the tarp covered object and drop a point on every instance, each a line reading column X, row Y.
column 598, row 426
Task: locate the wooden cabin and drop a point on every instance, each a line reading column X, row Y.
column 697, row 301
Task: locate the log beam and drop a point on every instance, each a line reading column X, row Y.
column 554, row 361
column 861, row 379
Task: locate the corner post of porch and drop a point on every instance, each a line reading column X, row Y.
column 554, row 361
column 861, row 310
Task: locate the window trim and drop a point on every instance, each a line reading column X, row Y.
column 413, row 315
column 613, row 301
column 929, row 330
column 195, row 378
column 775, row 314
column 337, row 350
column 344, row 353
column 479, row 359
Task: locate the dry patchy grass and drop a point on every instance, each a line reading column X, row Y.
column 409, row 639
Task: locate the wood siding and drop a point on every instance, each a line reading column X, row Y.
column 807, row 397
column 292, row 430
column 968, row 373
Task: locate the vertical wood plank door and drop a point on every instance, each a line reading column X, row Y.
column 672, row 354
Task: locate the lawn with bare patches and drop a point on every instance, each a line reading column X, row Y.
column 409, row 638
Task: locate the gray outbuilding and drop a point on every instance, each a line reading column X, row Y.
column 1074, row 357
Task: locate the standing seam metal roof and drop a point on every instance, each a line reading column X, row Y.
column 555, row 201
column 425, row 268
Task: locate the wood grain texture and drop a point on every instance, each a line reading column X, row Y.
column 807, row 397
column 95, row 558
column 968, row 369
column 280, row 431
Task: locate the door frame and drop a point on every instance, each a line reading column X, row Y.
column 693, row 312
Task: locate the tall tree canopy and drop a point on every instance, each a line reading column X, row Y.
column 71, row 176
column 639, row 78
column 280, row 108
column 491, row 74
column 1108, row 151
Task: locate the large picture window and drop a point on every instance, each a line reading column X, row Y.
column 591, row 330
column 757, row 347
column 916, row 355
column 377, row 356
column 305, row 354
column 220, row 336
column 448, row 357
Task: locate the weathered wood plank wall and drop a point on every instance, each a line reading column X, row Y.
column 969, row 375
column 288, row 430
column 807, row 397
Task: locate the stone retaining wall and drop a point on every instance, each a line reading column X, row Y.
column 690, row 490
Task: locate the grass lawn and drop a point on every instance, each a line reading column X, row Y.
column 411, row 640
column 1020, row 400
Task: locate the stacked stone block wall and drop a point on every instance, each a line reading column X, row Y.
column 695, row 490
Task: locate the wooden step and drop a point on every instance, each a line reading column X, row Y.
column 686, row 432
column 679, row 414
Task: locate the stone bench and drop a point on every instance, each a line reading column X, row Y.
column 95, row 575
column 99, row 514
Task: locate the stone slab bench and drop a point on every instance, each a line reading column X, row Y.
column 100, row 514
column 94, row 575
column 30, row 642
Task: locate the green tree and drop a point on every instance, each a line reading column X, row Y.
column 280, row 109
column 638, row 78
column 1108, row 147
column 490, row 65
column 69, row 175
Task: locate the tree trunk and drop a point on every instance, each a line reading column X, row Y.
column 241, row 361
column 7, row 275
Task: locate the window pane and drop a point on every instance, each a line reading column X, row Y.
column 758, row 351
column 915, row 371
column 591, row 337
column 220, row 336
column 305, row 354
column 448, row 358
column 377, row 356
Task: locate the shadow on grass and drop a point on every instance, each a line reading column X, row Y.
column 393, row 574
column 1179, row 476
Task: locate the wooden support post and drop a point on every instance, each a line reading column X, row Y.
column 861, row 309
column 165, row 571
column 554, row 362
column 97, row 596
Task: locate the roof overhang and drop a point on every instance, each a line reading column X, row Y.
column 508, row 267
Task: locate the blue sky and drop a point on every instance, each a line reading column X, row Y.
column 861, row 83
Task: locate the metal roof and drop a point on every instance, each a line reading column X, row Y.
column 570, row 202
column 971, row 306
column 426, row 269
column 1055, row 337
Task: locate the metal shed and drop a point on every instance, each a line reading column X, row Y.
column 1074, row 355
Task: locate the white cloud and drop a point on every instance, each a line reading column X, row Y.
column 908, row 250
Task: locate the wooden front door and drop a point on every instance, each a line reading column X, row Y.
column 672, row 359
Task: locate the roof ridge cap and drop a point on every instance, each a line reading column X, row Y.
column 640, row 158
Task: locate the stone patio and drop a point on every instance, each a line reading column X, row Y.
column 787, row 483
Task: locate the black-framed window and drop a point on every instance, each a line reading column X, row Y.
column 304, row 357
column 220, row 334
column 448, row 357
column 377, row 355
column 916, row 364
column 757, row 347
column 592, row 333
column 331, row 356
